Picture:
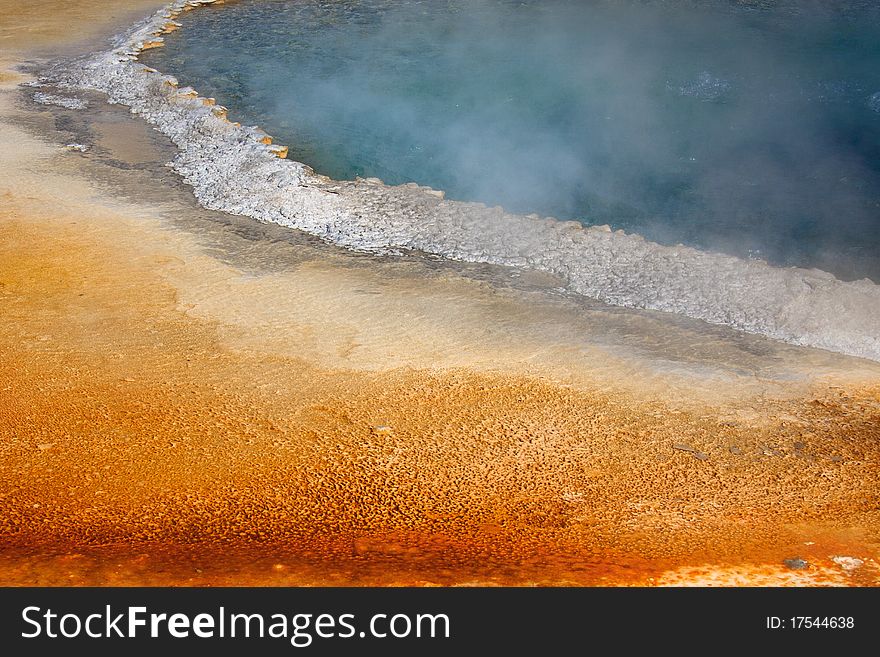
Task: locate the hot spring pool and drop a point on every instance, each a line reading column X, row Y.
column 733, row 128
column 751, row 128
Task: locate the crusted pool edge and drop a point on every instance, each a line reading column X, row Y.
column 238, row 169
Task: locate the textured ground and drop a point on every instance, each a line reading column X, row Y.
column 170, row 414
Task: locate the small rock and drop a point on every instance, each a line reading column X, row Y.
column 796, row 563
column 799, row 446
column 382, row 430
column 693, row 450
column 44, row 446
column 836, row 458
column 736, row 450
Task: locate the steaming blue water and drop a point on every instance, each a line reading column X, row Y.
column 747, row 127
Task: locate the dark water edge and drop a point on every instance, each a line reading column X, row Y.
column 741, row 127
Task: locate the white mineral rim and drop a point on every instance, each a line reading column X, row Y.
column 236, row 169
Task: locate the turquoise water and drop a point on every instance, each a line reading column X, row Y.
column 747, row 127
